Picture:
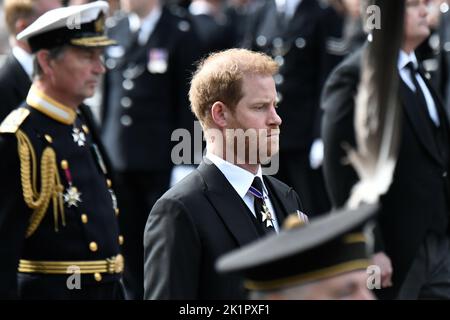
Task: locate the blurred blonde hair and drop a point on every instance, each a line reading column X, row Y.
column 18, row 9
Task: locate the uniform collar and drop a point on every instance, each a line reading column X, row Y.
column 50, row 107
column 239, row 178
column 404, row 59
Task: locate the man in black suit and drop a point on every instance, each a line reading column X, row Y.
column 16, row 72
column 412, row 245
column 294, row 33
column 226, row 202
column 145, row 99
column 59, row 235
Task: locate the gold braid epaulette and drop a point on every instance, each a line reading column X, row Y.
column 50, row 189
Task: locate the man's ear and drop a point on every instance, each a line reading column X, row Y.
column 44, row 61
column 220, row 114
column 20, row 25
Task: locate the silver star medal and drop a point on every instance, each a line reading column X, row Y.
column 114, row 198
column 72, row 197
column 266, row 216
column 78, row 137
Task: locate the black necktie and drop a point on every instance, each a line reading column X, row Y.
column 419, row 93
column 263, row 216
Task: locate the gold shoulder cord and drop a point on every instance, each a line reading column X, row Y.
column 51, row 187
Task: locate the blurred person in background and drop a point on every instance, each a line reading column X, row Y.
column 16, row 72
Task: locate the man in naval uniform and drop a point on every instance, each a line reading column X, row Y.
column 58, row 215
column 144, row 101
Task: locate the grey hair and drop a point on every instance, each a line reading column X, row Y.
column 53, row 54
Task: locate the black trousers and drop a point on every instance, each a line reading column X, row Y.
column 55, row 287
column 429, row 275
column 137, row 192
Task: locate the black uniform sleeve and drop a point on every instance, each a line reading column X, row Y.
column 13, row 216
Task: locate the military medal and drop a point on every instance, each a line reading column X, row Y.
column 266, row 216
column 72, row 197
column 303, row 217
column 78, row 136
column 158, row 60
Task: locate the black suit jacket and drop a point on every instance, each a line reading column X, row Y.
column 418, row 198
column 14, row 85
column 193, row 224
column 300, row 49
column 143, row 105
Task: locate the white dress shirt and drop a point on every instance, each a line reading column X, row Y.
column 288, row 7
column 403, row 60
column 145, row 26
column 241, row 180
column 25, row 59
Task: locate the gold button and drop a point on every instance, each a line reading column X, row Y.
column 108, row 183
column 117, row 212
column 84, row 218
column 121, row 239
column 64, row 164
column 98, row 277
column 93, row 246
column 85, row 128
column 48, row 138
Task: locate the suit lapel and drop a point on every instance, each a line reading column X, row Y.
column 281, row 200
column 439, row 106
column 228, row 204
column 417, row 117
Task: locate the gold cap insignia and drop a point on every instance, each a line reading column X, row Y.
column 100, row 24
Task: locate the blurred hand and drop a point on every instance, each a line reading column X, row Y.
column 316, row 154
column 384, row 263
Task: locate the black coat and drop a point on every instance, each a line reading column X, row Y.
column 14, row 85
column 145, row 93
column 193, row 224
column 417, row 201
column 72, row 241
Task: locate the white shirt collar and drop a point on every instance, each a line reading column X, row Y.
column 239, row 178
column 25, row 59
column 404, row 59
column 201, row 7
column 288, row 7
column 146, row 25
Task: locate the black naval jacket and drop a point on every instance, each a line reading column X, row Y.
column 91, row 230
column 299, row 48
column 146, row 92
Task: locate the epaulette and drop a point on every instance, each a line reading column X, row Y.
column 13, row 121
